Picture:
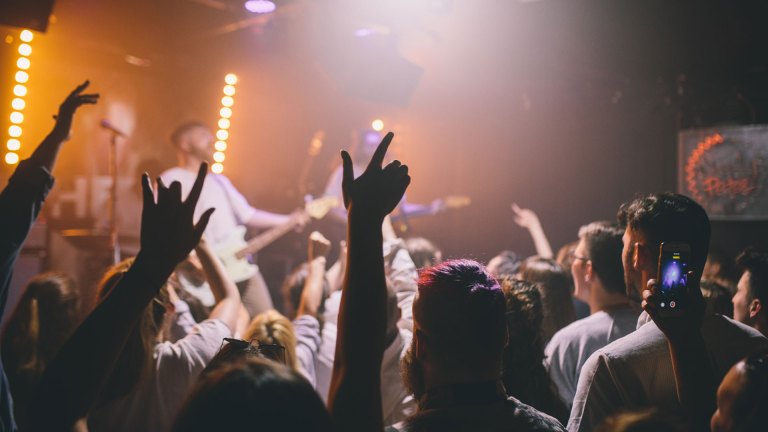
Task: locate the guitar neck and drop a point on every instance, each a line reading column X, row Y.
column 267, row 237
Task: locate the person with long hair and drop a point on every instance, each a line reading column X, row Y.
column 44, row 318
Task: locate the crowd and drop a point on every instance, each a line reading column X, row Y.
column 390, row 337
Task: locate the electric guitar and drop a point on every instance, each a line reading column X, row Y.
column 234, row 250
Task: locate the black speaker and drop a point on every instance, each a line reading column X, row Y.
column 31, row 14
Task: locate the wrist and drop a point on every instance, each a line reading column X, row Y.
column 155, row 271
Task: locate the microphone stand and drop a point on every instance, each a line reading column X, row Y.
column 114, row 240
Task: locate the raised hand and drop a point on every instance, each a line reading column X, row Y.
column 319, row 246
column 677, row 328
column 69, row 106
column 378, row 190
column 524, row 217
column 168, row 232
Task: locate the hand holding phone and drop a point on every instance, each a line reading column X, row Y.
column 672, row 281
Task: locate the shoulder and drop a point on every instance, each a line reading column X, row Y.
column 534, row 419
column 196, row 348
column 590, row 327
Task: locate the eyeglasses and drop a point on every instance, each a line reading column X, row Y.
column 274, row 352
column 578, row 257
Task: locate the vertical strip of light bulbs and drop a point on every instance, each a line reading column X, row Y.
column 225, row 113
column 13, row 145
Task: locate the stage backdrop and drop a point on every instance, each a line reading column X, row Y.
column 726, row 170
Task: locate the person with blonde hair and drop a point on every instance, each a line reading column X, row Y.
column 301, row 338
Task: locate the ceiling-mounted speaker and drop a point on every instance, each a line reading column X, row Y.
column 29, row 14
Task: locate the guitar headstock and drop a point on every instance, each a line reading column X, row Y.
column 319, row 207
column 456, row 201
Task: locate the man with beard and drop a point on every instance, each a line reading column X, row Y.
column 635, row 372
column 453, row 366
column 194, row 144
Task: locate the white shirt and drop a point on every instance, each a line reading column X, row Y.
column 232, row 209
column 155, row 401
column 570, row 347
column 401, row 273
column 635, row 371
column 307, row 331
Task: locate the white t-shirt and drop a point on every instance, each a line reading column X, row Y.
column 635, row 372
column 154, row 403
column 232, row 209
column 570, row 347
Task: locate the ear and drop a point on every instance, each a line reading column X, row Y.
column 588, row 274
column 755, row 307
column 637, row 258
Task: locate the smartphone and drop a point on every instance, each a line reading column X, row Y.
column 673, row 278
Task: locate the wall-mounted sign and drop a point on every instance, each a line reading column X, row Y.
column 726, row 170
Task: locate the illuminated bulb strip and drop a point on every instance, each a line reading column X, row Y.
column 21, row 77
column 222, row 135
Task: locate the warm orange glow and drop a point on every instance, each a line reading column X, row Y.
column 13, row 144
column 26, row 36
column 14, row 131
column 25, row 49
column 11, row 158
column 23, row 63
column 18, row 104
column 227, row 101
column 230, row 79
column 17, row 117
column 20, row 90
column 225, row 112
column 224, row 123
column 220, row 146
column 229, row 90
column 222, row 135
column 219, row 157
column 217, row 168
column 377, row 125
column 22, row 77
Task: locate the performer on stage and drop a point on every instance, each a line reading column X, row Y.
column 194, row 144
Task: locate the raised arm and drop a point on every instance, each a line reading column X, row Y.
column 22, row 199
column 693, row 369
column 228, row 305
column 355, row 397
column 46, row 153
column 312, row 295
column 529, row 220
column 76, row 375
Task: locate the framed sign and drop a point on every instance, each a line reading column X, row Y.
column 726, row 170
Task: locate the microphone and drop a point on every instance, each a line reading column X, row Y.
column 112, row 128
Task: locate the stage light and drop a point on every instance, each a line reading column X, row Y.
column 225, row 112
column 377, row 125
column 217, row 168
column 227, row 101
column 11, row 158
column 229, row 90
column 260, row 6
column 22, row 77
column 18, row 104
column 222, row 135
column 224, row 123
column 13, row 144
column 220, row 146
column 14, row 131
column 23, row 63
column 230, row 79
column 25, row 49
column 219, row 157
column 20, row 90
column 26, row 36
column 17, row 117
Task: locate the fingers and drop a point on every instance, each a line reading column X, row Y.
column 381, row 151
column 516, row 208
column 174, row 192
column 146, row 187
column 348, row 175
column 197, row 188
column 79, row 89
column 202, row 224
